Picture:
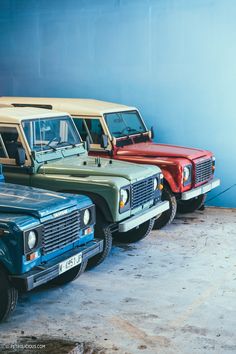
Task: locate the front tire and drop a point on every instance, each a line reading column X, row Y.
column 167, row 216
column 8, row 296
column 191, row 205
column 102, row 231
column 136, row 234
column 70, row 275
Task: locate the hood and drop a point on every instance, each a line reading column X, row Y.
column 31, row 201
column 150, row 149
column 78, row 167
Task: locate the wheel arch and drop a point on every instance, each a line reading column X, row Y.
column 100, row 203
column 169, row 181
column 3, row 266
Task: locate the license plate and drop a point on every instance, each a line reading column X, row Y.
column 70, row 263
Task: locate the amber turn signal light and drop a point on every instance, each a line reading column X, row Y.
column 88, row 231
column 122, row 204
column 160, row 186
column 31, row 256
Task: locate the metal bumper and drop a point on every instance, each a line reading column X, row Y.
column 141, row 217
column 43, row 274
column 200, row 190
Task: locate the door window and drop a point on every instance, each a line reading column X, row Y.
column 9, row 142
column 90, row 128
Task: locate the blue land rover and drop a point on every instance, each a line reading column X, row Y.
column 44, row 237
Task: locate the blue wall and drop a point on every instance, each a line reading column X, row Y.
column 174, row 59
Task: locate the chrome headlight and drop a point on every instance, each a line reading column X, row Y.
column 187, row 174
column 124, row 196
column 125, row 199
column 32, row 239
column 86, row 216
column 155, row 184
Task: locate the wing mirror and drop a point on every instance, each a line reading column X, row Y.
column 20, row 156
column 104, row 141
column 152, row 134
column 87, row 143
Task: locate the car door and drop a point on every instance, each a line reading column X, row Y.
column 92, row 129
column 10, row 141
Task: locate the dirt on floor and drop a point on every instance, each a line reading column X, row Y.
column 174, row 292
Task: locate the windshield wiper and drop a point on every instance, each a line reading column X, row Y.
column 129, row 129
column 49, row 146
column 66, row 142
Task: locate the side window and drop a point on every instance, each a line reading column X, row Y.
column 80, row 125
column 9, row 142
column 90, row 128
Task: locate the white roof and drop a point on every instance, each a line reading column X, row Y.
column 74, row 106
column 17, row 114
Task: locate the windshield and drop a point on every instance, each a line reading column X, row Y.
column 124, row 123
column 50, row 133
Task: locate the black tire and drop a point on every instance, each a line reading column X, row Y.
column 191, row 205
column 70, row 275
column 167, row 216
column 136, row 234
column 8, row 296
column 103, row 232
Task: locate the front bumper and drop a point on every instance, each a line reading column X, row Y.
column 141, row 217
column 200, row 190
column 46, row 272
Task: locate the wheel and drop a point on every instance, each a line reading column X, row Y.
column 136, row 234
column 189, row 206
column 70, row 275
column 8, row 296
column 102, row 231
column 167, row 216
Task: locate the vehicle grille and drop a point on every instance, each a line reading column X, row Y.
column 142, row 192
column 60, row 232
column 203, row 171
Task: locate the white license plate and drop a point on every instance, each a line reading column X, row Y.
column 70, row 263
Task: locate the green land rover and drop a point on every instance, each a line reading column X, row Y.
column 42, row 148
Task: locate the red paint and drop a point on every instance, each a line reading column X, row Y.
column 170, row 158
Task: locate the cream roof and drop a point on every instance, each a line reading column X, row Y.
column 17, row 114
column 72, row 105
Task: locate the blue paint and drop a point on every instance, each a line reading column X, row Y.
column 173, row 59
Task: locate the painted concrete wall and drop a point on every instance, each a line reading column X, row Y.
column 174, row 59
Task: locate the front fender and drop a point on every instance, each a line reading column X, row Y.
column 98, row 188
column 171, row 169
column 171, row 181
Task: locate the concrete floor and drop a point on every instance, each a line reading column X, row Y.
column 174, row 292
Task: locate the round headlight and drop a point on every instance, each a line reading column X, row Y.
column 155, row 184
column 186, row 173
column 32, row 239
column 86, row 217
column 124, row 195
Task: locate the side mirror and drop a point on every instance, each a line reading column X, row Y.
column 104, row 141
column 152, row 133
column 20, row 156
